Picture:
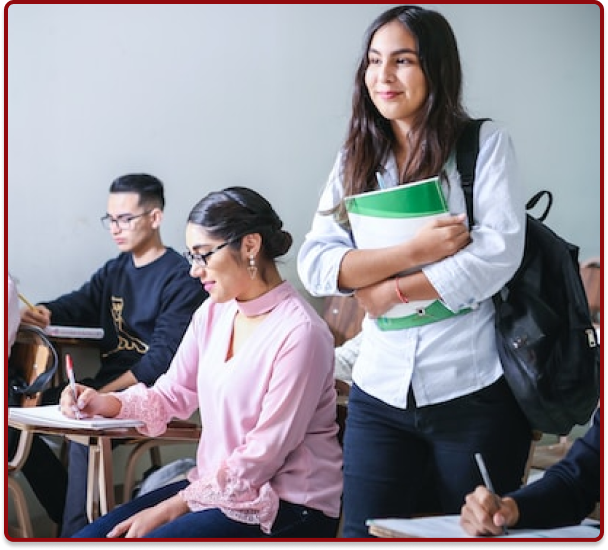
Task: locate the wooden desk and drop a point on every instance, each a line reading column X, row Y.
column 100, row 491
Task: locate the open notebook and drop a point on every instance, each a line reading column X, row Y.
column 448, row 527
column 51, row 416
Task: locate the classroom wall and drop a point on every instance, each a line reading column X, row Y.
column 206, row 96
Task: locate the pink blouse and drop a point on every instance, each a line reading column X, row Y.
column 268, row 413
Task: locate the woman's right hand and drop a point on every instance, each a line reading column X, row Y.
column 39, row 316
column 440, row 238
column 89, row 403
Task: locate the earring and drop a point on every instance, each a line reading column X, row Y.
column 253, row 269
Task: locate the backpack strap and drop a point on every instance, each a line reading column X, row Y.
column 467, row 150
column 537, row 197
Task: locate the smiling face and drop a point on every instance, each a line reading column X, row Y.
column 223, row 277
column 394, row 78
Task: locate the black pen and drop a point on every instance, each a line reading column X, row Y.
column 488, row 483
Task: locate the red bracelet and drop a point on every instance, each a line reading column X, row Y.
column 400, row 294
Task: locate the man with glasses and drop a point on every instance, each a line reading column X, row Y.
column 143, row 299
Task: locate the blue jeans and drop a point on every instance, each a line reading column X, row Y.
column 75, row 512
column 389, row 453
column 293, row 521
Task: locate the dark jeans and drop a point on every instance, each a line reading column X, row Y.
column 386, row 449
column 75, row 513
column 293, row 521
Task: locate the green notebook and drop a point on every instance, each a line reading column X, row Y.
column 388, row 217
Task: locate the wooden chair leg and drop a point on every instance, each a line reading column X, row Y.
column 144, row 446
column 155, row 458
column 23, row 517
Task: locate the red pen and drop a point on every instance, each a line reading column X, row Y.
column 69, row 369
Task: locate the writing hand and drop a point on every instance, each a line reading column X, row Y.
column 485, row 514
column 38, row 316
column 90, row 403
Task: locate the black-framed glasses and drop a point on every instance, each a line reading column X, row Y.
column 202, row 259
column 122, row 222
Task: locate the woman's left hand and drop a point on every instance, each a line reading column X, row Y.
column 378, row 298
column 146, row 521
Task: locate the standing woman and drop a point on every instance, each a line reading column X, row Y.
column 433, row 394
column 257, row 361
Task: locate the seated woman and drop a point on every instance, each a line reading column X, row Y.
column 257, row 361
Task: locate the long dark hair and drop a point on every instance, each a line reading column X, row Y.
column 235, row 212
column 370, row 136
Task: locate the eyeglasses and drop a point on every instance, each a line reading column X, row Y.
column 123, row 222
column 201, row 259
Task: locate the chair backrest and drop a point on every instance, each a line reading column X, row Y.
column 32, row 364
column 592, row 281
column 344, row 317
column 31, row 367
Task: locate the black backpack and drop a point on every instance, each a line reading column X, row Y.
column 544, row 333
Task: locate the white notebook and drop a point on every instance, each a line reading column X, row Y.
column 51, row 416
column 93, row 333
column 448, row 527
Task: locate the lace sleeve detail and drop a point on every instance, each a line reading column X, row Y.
column 141, row 403
column 235, row 497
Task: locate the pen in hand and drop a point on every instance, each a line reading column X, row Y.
column 488, row 483
column 69, row 368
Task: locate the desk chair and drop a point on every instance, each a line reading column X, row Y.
column 343, row 316
column 178, row 431
column 591, row 274
column 33, row 360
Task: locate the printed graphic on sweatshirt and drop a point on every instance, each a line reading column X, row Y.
column 126, row 341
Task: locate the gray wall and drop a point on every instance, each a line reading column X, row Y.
column 206, row 96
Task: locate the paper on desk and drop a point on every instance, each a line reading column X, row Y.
column 51, row 416
column 448, row 527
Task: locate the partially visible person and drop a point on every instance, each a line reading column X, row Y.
column 13, row 316
column 565, row 495
column 13, row 320
column 257, row 362
column 143, row 299
column 346, row 356
column 428, row 391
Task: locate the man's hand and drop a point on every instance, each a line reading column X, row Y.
column 38, row 316
column 485, row 514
